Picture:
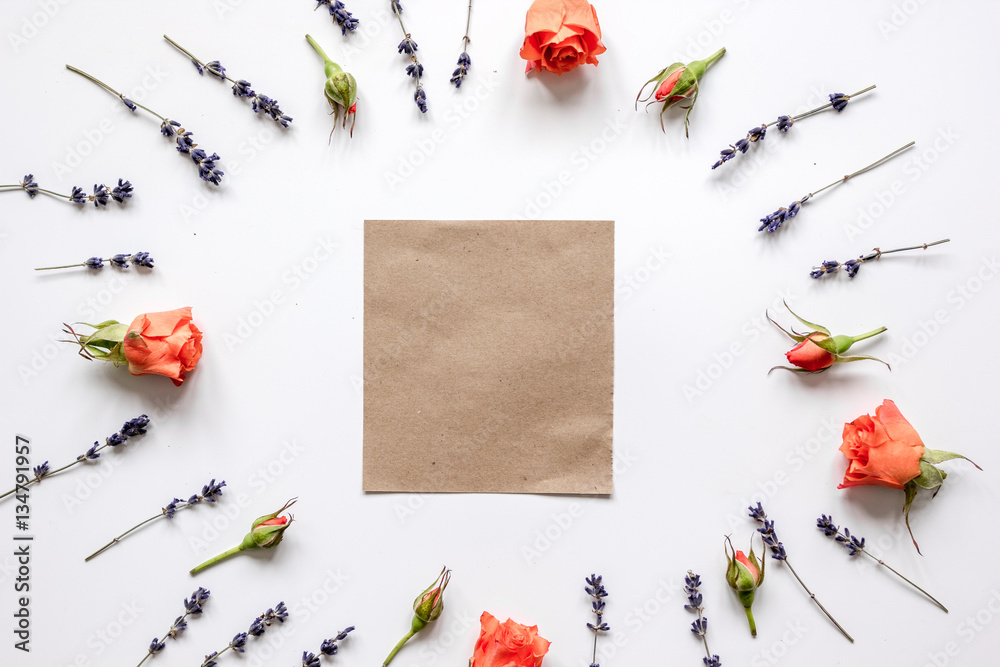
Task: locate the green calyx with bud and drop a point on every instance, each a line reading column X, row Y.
column 743, row 580
column 685, row 87
column 931, row 477
column 822, row 338
column 104, row 343
column 266, row 532
column 340, row 89
column 427, row 608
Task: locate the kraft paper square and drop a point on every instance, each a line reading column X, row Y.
column 488, row 356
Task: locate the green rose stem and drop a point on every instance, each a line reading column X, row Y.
column 753, row 624
column 112, row 90
column 266, row 532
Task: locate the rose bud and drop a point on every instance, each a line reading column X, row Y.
column 166, row 343
column 341, row 89
column 885, row 450
column 819, row 350
column 560, row 35
column 427, row 607
column 676, row 83
column 266, row 532
column 744, row 574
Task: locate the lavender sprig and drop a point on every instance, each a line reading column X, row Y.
column 102, row 195
column 259, row 625
column 340, row 15
column 595, row 589
column 700, row 627
column 131, row 429
column 414, row 69
column 837, row 102
column 856, row 545
column 852, row 266
column 121, row 261
column 168, row 128
column 192, row 607
column 241, row 88
column 464, row 61
column 329, row 647
column 772, row 222
column 209, row 493
column 772, row 542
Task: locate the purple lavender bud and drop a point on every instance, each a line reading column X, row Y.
column 41, row 470
column 211, row 491
column 29, row 185
column 167, row 127
column 136, row 426
column 784, row 123
column 407, row 46
column 216, row 69
column 121, row 261
column 122, row 191
column 839, row 101
column 95, row 263
column 852, row 266
column 78, row 196
column 420, row 97
column 742, row 145
column 416, row 70
column 757, row 133
column 242, row 89
column 129, row 103
column 101, row 195
column 142, row 259
column 156, row 646
column 310, row 659
column 239, row 642
column 171, row 509
column 116, row 439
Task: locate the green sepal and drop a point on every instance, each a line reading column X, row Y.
column 910, row 489
column 797, row 370
column 933, row 456
column 929, row 477
column 844, row 359
column 658, row 79
column 798, row 338
column 106, row 336
column 815, row 326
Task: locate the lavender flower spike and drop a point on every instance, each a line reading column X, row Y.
column 699, row 627
column 852, row 266
column 192, row 607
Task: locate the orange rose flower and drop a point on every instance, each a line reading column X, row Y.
column 883, row 450
column 508, row 644
column 163, row 344
column 561, row 34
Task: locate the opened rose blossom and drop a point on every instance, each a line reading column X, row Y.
column 885, row 450
column 560, row 35
column 508, row 644
column 166, row 343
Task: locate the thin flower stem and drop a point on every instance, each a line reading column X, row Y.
column 876, row 253
column 816, row 600
column 54, row 194
column 888, row 567
column 51, row 472
column 112, row 90
column 825, row 106
column 594, row 660
column 68, row 266
column 406, row 638
column 468, row 24
column 15, row 185
column 215, row 559
column 863, row 169
column 704, row 638
column 115, row 541
column 184, row 51
column 406, row 35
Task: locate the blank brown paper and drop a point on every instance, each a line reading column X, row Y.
column 488, row 356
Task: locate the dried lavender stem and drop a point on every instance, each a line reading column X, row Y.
column 112, row 90
column 889, row 567
column 924, row 246
column 825, row 106
column 863, row 169
column 816, row 600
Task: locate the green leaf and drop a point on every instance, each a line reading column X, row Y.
column 940, row 456
column 930, row 477
column 815, row 326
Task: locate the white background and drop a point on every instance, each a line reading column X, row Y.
column 275, row 409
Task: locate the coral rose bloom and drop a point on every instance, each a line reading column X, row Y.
column 163, row 344
column 561, row 34
column 508, row 644
column 883, row 450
